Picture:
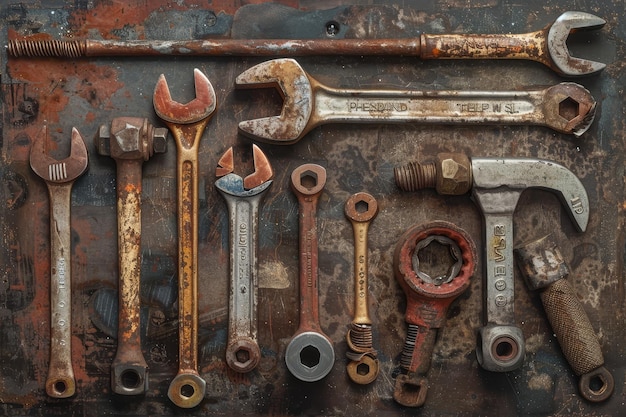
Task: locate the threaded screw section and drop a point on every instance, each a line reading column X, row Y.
column 415, row 176
column 406, row 358
column 46, row 48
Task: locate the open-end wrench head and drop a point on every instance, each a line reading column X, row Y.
column 308, row 179
column 294, row 85
column 569, row 108
column 262, row 174
column 59, row 171
column 492, row 174
column 557, row 43
column 262, row 170
column 197, row 109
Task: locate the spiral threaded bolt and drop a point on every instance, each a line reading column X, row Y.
column 450, row 174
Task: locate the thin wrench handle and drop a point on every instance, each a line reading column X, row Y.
column 361, row 310
column 531, row 46
column 60, row 382
column 309, row 297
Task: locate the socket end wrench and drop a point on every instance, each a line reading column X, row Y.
column 59, row 176
column 310, row 355
column 544, row 269
column 243, row 196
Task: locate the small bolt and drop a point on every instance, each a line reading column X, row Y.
column 159, row 140
column 103, row 144
column 332, row 28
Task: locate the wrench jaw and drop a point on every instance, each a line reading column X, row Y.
column 59, row 171
column 569, row 108
column 243, row 354
column 187, row 389
column 295, row 86
column 130, row 379
column 562, row 61
column 194, row 111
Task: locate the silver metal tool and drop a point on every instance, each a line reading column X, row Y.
column 243, row 196
column 566, row 107
column 59, row 176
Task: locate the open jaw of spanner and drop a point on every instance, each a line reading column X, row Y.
column 187, row 123
column 566, row 107
column 548, row 46
column 59, row 176
column 243, row 196
column 310, row 355
column 428, row 299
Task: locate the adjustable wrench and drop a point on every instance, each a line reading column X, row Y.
column 187, row 123
column 548, row 46
column 59, row 177
column 428, row 299
column 243, row 196
column 361, row 209
column 130, row 141
column 544, row 269
column 496, row 185
column 309, row 355
column 566, row 107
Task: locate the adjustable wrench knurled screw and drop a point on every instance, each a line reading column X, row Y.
column 59, row 176
column 310, row 355
column 361, row 209
column 243, row 196
column 130, row 141
column 428, row 300
column 496, row 185
column 187, row 123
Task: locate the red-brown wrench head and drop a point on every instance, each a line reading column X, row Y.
column 557, row 43
column 59, row 171
column 197, row 109
column 295, row 86
column 263, row 171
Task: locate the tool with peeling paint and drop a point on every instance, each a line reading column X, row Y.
column 59, row 176
column 547, row 46
column 187, row 123
column 129, row 141
column 243, row 196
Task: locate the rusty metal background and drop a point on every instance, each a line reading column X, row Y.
column 86, row 93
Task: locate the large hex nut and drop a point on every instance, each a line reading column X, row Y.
column 454, row 173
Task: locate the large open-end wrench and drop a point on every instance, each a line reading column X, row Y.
column 566, row 107
column 59, row 176
column 129, row 141
column 243, row 196
column 310, row 355
column 428, row 299
column 187, row 123
column 361, row 209
column 544, row 269
column 548, row 46
column 496, row 186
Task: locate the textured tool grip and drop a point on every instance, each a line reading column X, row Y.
column 572, row 327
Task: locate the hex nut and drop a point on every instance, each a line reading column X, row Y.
column 454, row 173
column 103, row 144
column 159, row 140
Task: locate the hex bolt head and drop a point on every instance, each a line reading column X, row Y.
column 159, row 140
column 103, row 145
column 454, row 173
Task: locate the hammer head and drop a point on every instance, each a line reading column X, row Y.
column 294, row 85
column 517, row 174
column 557, row 43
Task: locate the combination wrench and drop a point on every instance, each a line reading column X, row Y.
column 566, row 107
column 187, row 123
column 547, row 46
column 428, row 299
column 59, row 176
column 310, row 355
column 243, row 196
column 129, row 141
column 361, row 209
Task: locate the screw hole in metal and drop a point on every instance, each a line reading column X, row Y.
column 60, row 387
column 187, row 391
column 310, row 356
column 332, row 28
column 130, row 379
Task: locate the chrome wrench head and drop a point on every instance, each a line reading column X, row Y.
column 295, row 86
column 242, row 197
column 194, row 111
column 557, row 43
column 59, row 171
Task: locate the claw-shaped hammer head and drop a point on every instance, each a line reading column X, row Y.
column 59, row 171
column 517, row 174
column 197, row 109
column 557, row 43
column 295, row 87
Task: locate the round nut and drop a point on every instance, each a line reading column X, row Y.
column 454, row 173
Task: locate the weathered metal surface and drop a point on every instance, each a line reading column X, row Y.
column 89, row 92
